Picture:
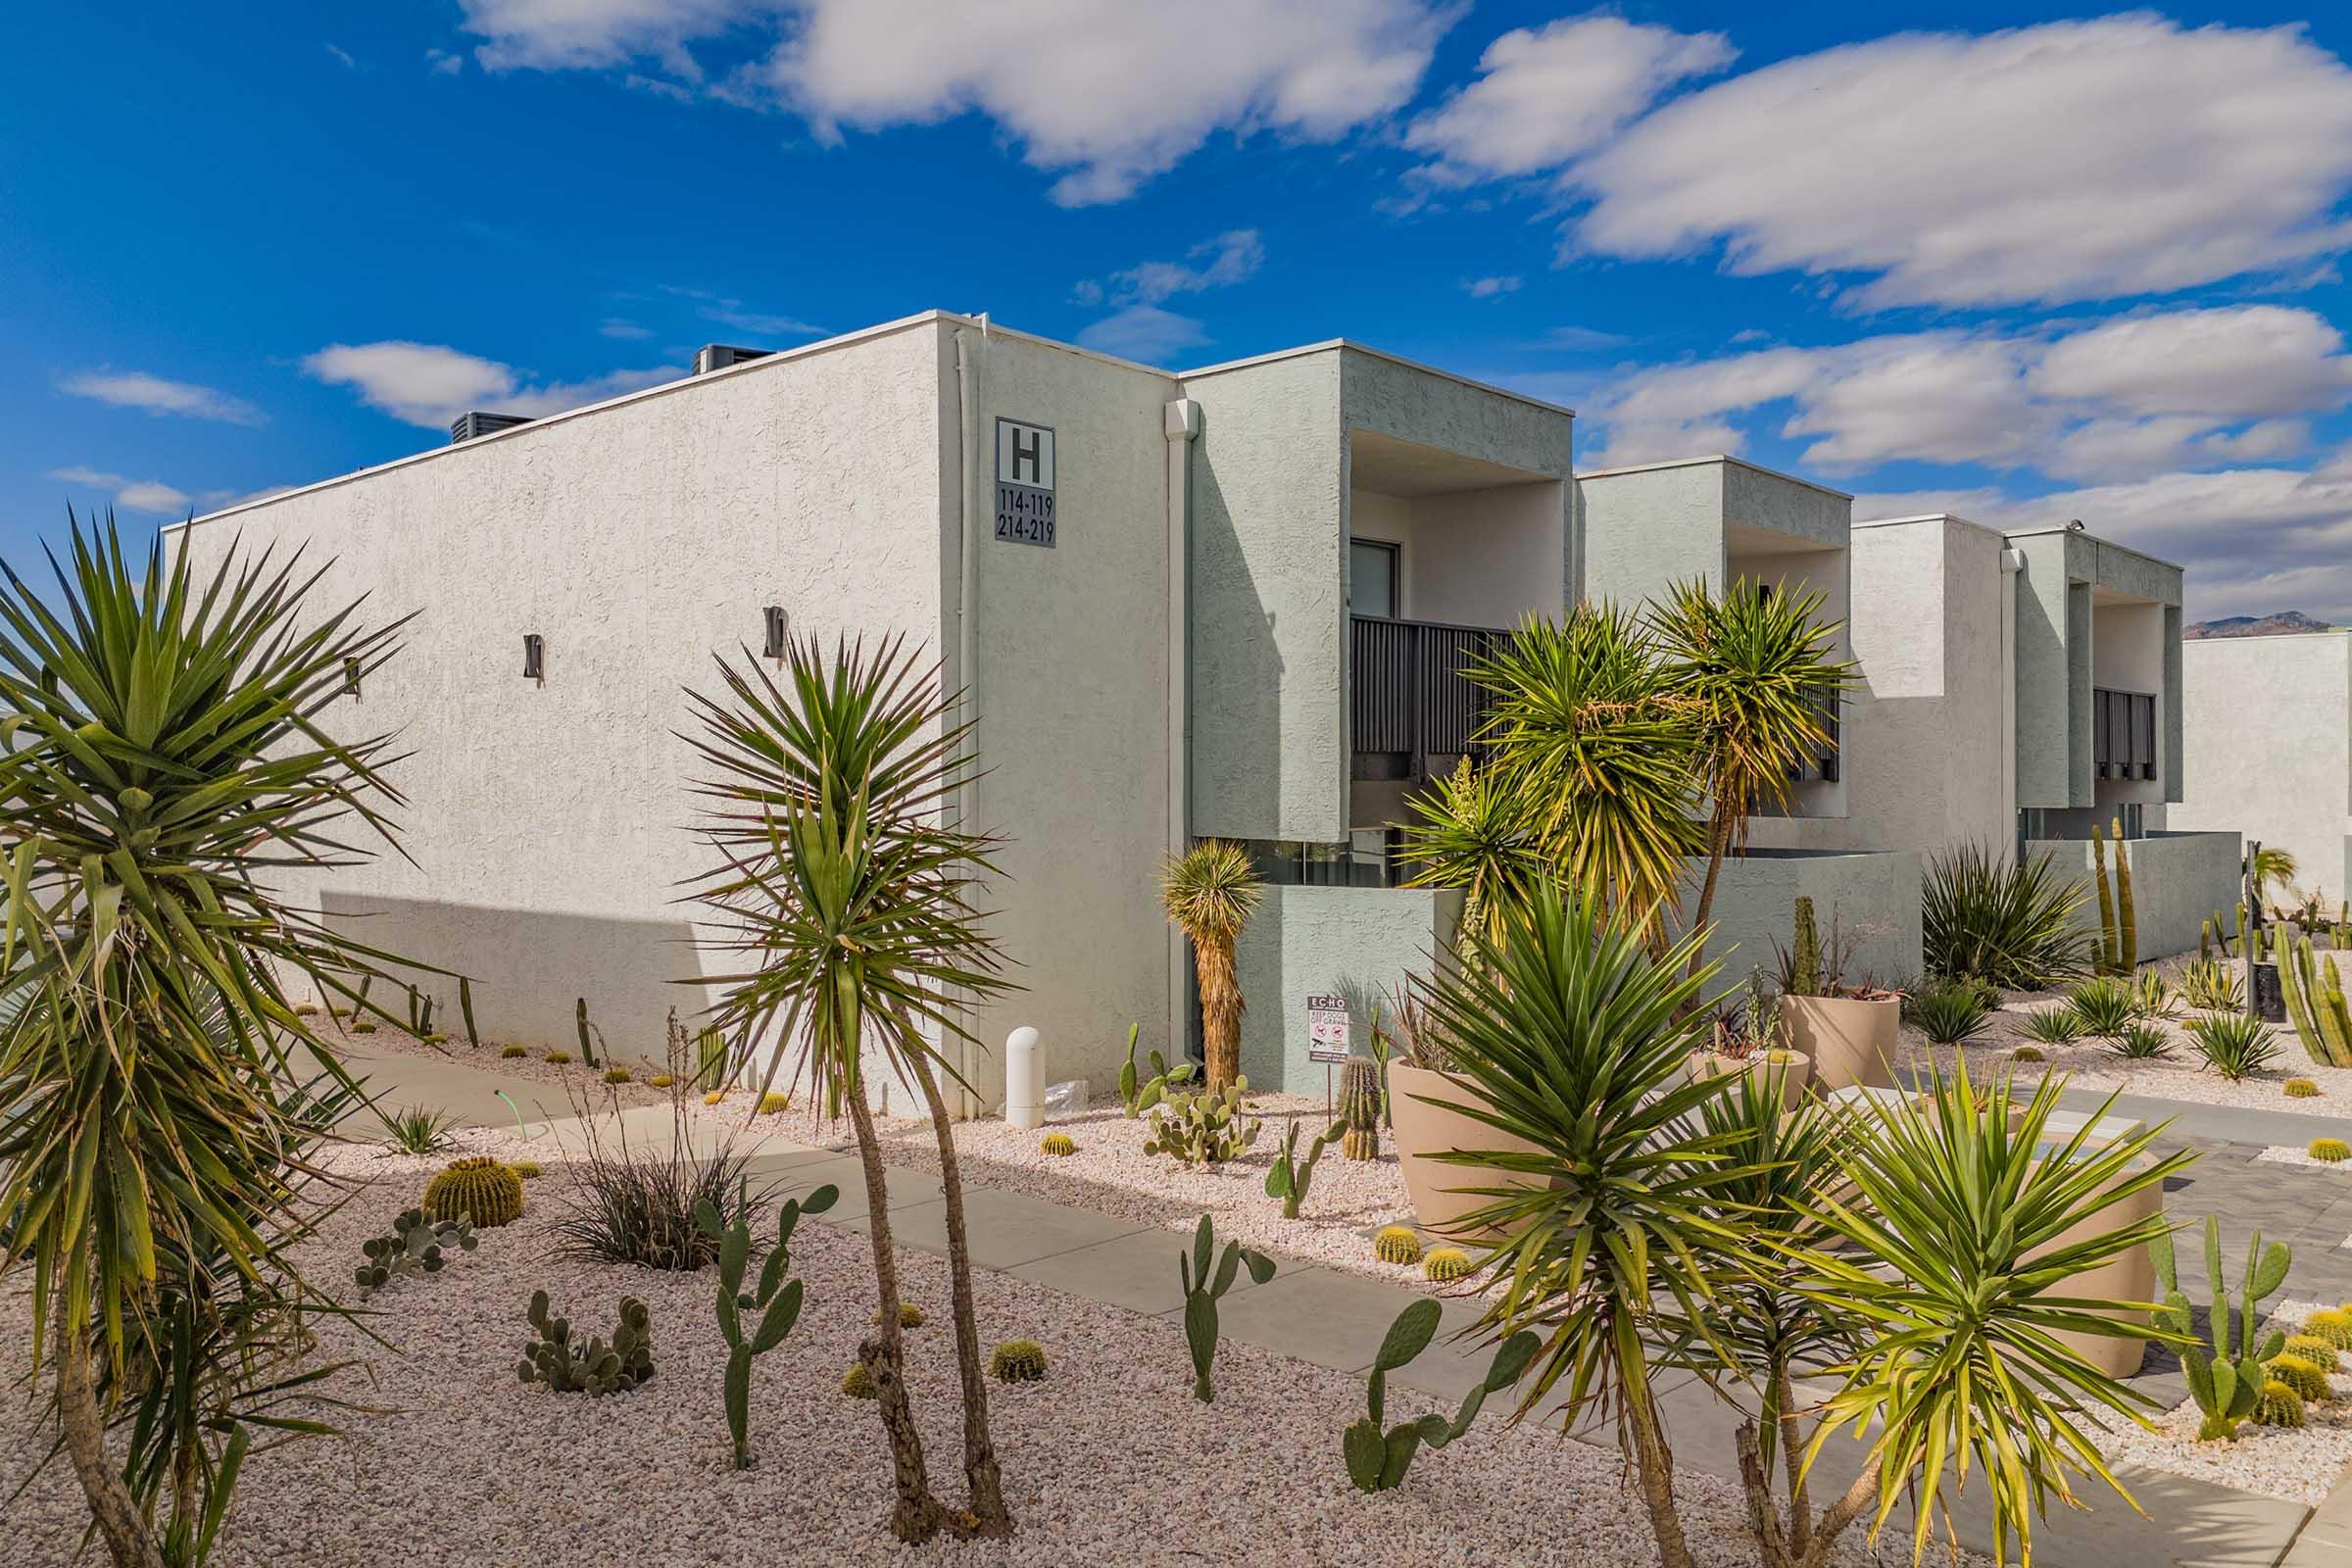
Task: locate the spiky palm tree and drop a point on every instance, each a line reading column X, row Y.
column 1585, row 738
column 1210, row 891
column 1756, row 674
column 848, row 894
column 2271, row 864
column 166, row 764
column 1472, row 830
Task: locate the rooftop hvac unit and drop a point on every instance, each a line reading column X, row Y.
column 467, row 426
column 719, row 355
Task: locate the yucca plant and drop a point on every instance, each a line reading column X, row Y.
column 1575, row 1038
column 1474, row 830
column 1210, row 891
column 167, row 766
column 418, row 1129
column 1950, row 1013
column 2011, row 925
column 2210, row 986
column 1754, row 672
column 2105, row 1006
column 2233, row 1045
column 1582, row 725
column 2053, row 1026
column 1949, row 1249
column 2139, row 1041
column 847, row 898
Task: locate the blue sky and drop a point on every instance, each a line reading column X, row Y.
column 1976, row 258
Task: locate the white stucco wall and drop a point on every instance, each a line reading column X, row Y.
column 2069, row 580
column 2269, row 748
column 1359, row 943
column 1472, row 557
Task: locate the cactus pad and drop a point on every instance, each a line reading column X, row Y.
column 476, row 1188
column 1058, row 1145
column 1397, row 1244
column 2301, row 1089
column 1018, row 1361
column 555, row 1357
column 2330, row 1151
column 1445, row 1264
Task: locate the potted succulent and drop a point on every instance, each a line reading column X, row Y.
column 1847, row 1030
column 1426, row 1101
column 1749, row 1037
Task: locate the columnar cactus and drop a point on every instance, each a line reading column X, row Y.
column 2127, row 927
column 2110, row 949
column 465, row 1009
column 2314, row 993
column 2227, row 1376
column 1202, row 1294
column 1291, row 1176
column 1377, row 1458
column 416, row 1245
column 1805, row 952
column 566, row 1366
column 579, row 1019
column 1360, row 1107
column 476, row 1188
column 775, row 1300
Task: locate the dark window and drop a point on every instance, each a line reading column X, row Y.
column 773, row 620
column 1367, row 860
column 1372, row 579
column 534, row 657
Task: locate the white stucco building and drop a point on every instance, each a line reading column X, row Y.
column 2268, row 726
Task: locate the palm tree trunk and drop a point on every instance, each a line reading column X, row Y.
column 917, row 1515
column 1220, row 1015
column 981, row 1472
column 1719, row 842
column 1802, row 1542
column 1653, row 1468
column 128, row 1539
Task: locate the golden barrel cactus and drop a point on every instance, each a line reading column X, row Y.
column 476, row 1188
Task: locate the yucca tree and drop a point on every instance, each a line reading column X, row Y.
column 1944, row 1244
column 165, row 765
column 1585, row 735
column 1577, row 1037
column 1211, row 892
column 1472, row 830
column 846, row 891
column 1756, row 673
column 2270, row 863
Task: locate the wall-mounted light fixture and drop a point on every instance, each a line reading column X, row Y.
column 534, row 657
column 774, row 615
column 351, row 678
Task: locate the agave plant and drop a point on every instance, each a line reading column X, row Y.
column 169, row 765
column 2105, row 1007
column 848, row 899
column 2233, row 1045
column 2011, row 925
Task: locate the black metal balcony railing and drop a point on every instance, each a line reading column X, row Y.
column 2123, row 733
column 1412, row 699
column 1823, row 765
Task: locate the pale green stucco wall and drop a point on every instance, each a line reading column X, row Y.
column 1359, row 943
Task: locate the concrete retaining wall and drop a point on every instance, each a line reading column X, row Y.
column 2177, row 879
column 1872, row 896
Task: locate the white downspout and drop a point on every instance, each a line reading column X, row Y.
column 962, row 1102
column 2013, row 563
column 1183, row 424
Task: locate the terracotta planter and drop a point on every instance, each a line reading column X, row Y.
column 1791, row 1069
column 1424, row 1129
column 1850, row 1041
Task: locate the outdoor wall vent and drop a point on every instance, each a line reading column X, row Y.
column 719, row 355
column 465, row 426
column 773, row 616
column 351, row 678
column 534, row 657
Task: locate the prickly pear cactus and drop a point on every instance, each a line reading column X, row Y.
column 566, row 1365
column 754, row 1314
column 476, row 1188
column 416, row 1245
column 2226, row 1375
column 1290, row 1175
column 1203, row 1128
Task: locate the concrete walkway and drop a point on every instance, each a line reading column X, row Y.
column 1336, row 1318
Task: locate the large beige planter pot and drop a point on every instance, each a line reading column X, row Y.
column 2130, row 1276
column 1424, row 1128
column 1850, row 1041
column 1792, row 1070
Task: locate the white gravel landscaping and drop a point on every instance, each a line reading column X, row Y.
column 1108, row 1461
column 2285, row 1155
column 2297, row 1463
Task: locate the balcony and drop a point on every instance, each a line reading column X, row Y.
column 1411, row 700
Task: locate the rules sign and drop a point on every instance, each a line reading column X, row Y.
column 1026, row 483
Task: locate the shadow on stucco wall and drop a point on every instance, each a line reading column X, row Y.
column 1236, row 675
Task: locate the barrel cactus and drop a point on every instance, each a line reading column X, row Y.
column 910, row 1316
column 617, row 1075
column 2332, row 1324
column 1360, row 1107
column 566, row 1366
column 1397, row 1244
column 2330, row 1151
column 1058, row 1145
column 2301, row 1089
column 2279, row 1407
column 1018, row 1361
column 514, row 1053
column 476, row 1188
column 362, row 1027
column 717, row 1097
column 557, row 1058
column 2301, row 1376
column 859, row 1381
column 530, row 1170
column 2318, row 1351
column 2026, row 1053
column 774, row 1102
column 1445, row 1264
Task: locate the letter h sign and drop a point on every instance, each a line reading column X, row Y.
column 1025, row 513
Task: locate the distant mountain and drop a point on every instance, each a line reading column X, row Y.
column 2286, row 621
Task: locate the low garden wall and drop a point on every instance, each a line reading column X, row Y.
column 2177, row 880
column 1357, row 943
column 1870, row 895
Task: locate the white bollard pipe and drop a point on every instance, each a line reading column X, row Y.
column 1024, row 1080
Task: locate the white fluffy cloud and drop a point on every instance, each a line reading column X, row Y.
column 1545, row 95
column 428, row 384
column 1144, row 332
column 2120, row 398
column 137, row 389
column 556, row 34
column 131, row 495
column 1142, row 327
column 2072, row 159
column 1490, row 288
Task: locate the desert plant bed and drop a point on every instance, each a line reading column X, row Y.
column 455, row 1460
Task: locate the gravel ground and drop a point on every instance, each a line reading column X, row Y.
column 2288, row 1154
column 2182, row 1075
column 2297, row 1463
column 1109, row 1460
